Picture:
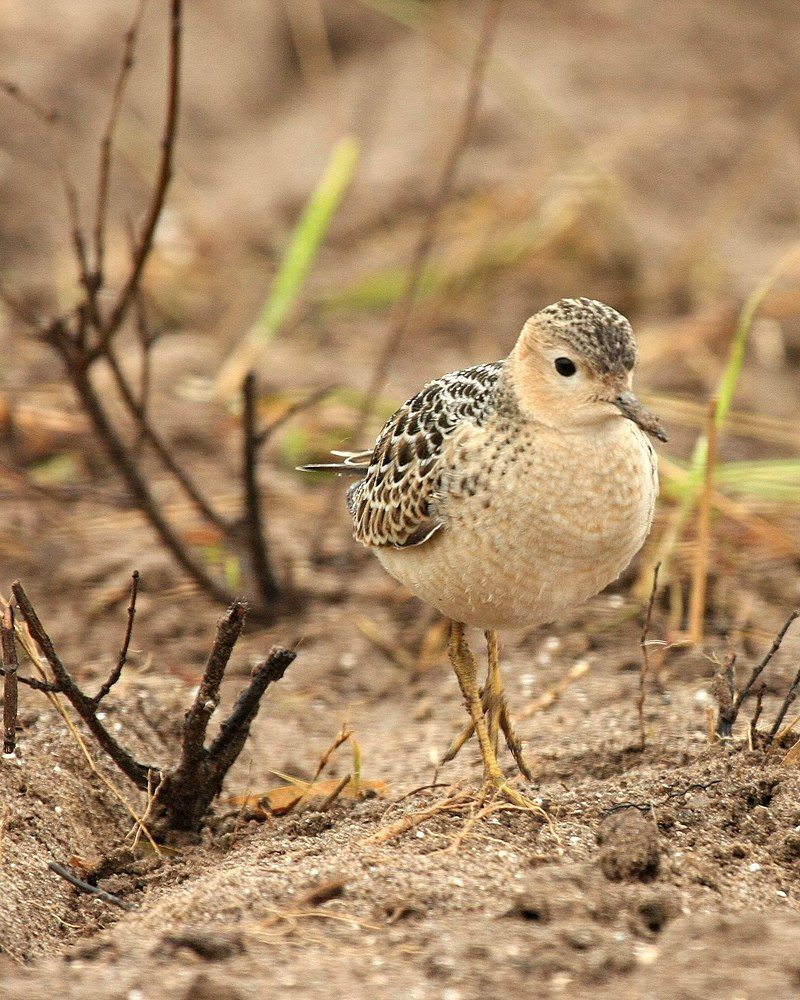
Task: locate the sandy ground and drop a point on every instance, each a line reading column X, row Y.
column 644, row 156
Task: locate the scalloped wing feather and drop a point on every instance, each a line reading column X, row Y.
column 396, row 504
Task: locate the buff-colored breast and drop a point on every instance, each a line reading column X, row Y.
column 535, row 522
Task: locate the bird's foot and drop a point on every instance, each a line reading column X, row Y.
column 496, row 713
column 497, row 785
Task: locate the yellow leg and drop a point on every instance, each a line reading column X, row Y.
column 464, row 666
column 496, row 707
column 496, row 711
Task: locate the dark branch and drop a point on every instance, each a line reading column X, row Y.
column 79, row 377
column 264, row 435
column 207, row 698
column 759, row 668
column 234, row 730
column 10, row 665
column 163, row 176
column 791, row 694
column 83, row 704
column 92, row 890
column 253, row 518
column 104, row 176
column 116, row 673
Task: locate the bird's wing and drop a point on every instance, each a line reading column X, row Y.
column 395, row 503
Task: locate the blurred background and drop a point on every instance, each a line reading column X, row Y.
column 647, row 155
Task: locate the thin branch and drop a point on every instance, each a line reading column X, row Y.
column 83, row 705
column 759, row 668
column 46, row 687
column 148, row 433
column 163, row 176
column 86, row 887
column 10, row 665
column 104, row 175
column 253, row 517
column 120, row 455
column 264, row 435
column 207, row 697
column 116, row 673
column 644, row 671
column 791, row 694
column 234, row 730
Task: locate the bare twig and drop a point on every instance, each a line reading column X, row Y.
column 791, row 694
column 186, row 791
column 759, row 668
column 90, row 400
column 207, row 697
column 92, row 890
column 751, row 729
column 10, row 665
column 328, row 801
column 729, row 705
column 644, row 670
column 725, row 694
column 115, row 674
column 253, row 517
column 163, row 176
column 265, row 435
column 104, row 176
column 82, row 703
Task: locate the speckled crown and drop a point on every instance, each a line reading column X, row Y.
column 599, row 333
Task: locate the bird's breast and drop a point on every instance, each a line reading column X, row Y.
column 535, row 523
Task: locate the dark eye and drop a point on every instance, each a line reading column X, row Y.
column 565, row 367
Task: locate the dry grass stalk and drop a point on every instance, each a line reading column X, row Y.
column 644, row 670
column 697, row 601
column 554, row 692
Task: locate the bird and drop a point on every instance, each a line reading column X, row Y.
column 506, row 494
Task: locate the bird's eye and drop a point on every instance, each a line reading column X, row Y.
column 565, row 367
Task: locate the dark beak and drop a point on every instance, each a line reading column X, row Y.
column 631, row 408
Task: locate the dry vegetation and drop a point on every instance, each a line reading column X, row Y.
column 224, row 251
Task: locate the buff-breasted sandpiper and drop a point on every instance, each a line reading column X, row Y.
column 508, row 493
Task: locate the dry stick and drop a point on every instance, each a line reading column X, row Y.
column 759, row 668
column 401, row 314
column 725, row 693
column 147, row 432
column 10, row 665
column 253, row 517
column 163, row 177
column 92, row 890
column 791, row 694
column 751, row 729
column 264, row 435
column 328, row 801
column 81, row 382
column 644, row 671
column 233, row 732
column 697, row 604
column 83, row 704
column 116, row 673
column 104, row 175
column 207, row 697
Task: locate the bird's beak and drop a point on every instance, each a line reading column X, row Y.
column 631, row 408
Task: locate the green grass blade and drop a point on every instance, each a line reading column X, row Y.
column 294, row 267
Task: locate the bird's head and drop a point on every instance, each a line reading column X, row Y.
column 572, row 368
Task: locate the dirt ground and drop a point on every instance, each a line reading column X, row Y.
column 644, row 155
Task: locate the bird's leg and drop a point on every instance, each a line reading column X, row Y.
column 464, row 666
column 496, row 710
column 495, row 706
